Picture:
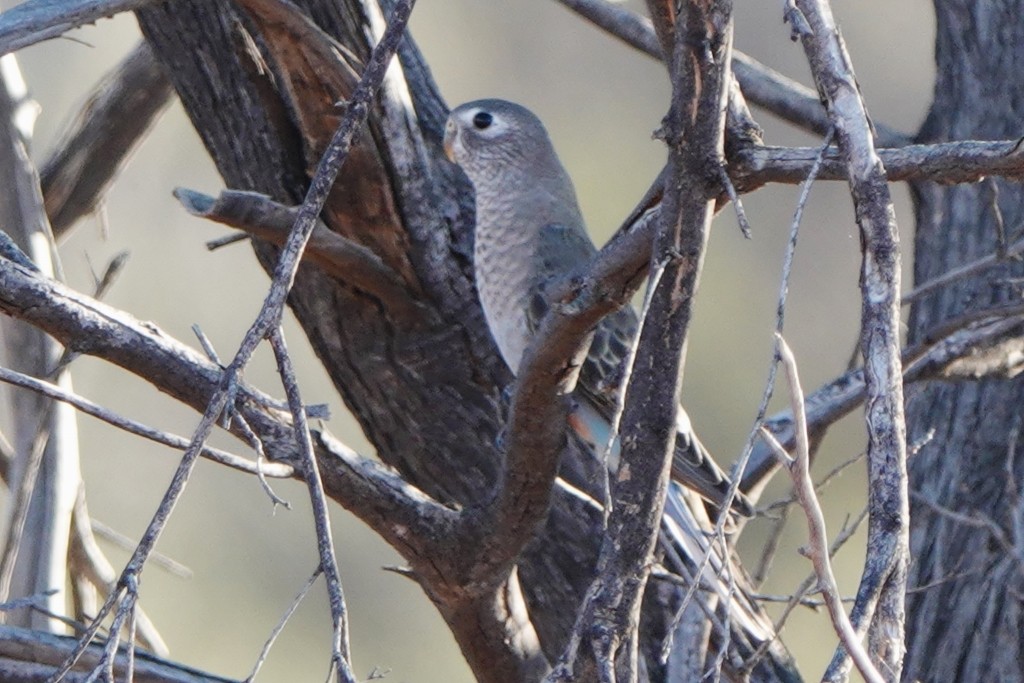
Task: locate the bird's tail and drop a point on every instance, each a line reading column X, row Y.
column 693, row 467
column 725, row 594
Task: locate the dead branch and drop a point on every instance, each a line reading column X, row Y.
column 37, row 20
column 97, row 143
column 817, row 549
column 604, row 641
column 881, row 597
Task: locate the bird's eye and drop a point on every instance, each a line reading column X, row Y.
column 482, row 120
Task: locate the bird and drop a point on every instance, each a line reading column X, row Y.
column 530, row 234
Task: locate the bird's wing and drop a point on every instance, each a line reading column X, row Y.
column 561, row 251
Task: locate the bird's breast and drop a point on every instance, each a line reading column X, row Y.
column 503, row 257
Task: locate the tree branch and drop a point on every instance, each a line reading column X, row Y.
column 97, row 143
column 405, row 517
column 46, row 472
column 818, row 549
column 883, row 584
column 343, row 259
column 33, row 655
column 341, row 655
column 987, row 343
column 964, row 161
column 278, row 469
column 36, row 20
column 605, row 637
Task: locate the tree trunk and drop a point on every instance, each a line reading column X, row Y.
column 964, row 611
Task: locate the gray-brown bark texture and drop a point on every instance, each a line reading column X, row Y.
column 965, row 618
column 421, row 374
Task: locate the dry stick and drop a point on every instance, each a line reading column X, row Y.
column 991, row 190
column 100, row 573
column 32, row 22
column 771, row 544
column 784, row 503
column 318, row 500
column 261, row 459
column 157, row 559
column 817, row 549
column 22, row 498
column 265, row 652
column 129, row 675
column 766, row 396
column 270, row 314
column 620, row 399
column 243, row 425
column 844, row 535
column 805, row 586
column 734, row 197
column 699, row 81
column 968, row 269
column 97, row 143
column 277, row 470
column 881, row 603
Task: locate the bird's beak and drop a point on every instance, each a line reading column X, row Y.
column 449, row 141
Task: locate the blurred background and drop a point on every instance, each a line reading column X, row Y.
column 601, row 101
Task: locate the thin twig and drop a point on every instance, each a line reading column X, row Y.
column 321, row 513
column 1000, row 255
column 991, row 190
column 265, row 651
column 88, row 562
column 783, row 503
column 261, row 461
column 158, row 559
column 734, row 197
column 777, row 94
column 22, row 499
column 277, row 469
column 807, row 584
column 817, row 548
column 620, row 399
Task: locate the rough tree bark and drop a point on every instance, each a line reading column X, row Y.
column 965, row 616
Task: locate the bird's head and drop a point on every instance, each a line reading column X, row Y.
column 483, row 135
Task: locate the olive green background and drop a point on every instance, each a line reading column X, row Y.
column 601, row 101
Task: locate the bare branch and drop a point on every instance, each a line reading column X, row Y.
column 361, row 485
column 97, row 143
column 1006, row 253
column 947, row 162
column 37, row 20
column 881, row 597
column 630, row 27
column 663, row 21
column 33, row 655
column 339, row 257
column 266, row 322
column 86, row 559
column 604, row 636
column 281, row 624
column 174, row 441
column 340, row 651
column 817, row 549
column 45, row 477
column 981, row 344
